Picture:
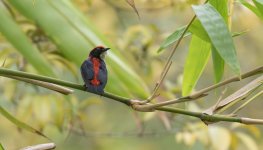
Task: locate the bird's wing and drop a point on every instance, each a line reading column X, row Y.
column 103, row 73
column 87, row 71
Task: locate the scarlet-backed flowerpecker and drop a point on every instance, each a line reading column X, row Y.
column 94, row 71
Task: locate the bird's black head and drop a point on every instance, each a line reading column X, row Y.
column 98, row 52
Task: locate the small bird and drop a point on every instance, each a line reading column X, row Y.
column 94, row 70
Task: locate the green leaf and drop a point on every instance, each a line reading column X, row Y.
column 219, row 34
column 1, row 147
column 196, row 61
column 175, row 36
column 77, row 37
column 219, row 65
column 252, row 8
column 197, row 29
column 20, row 124
column 222, row 7
column 259, row 5
column 18, row 39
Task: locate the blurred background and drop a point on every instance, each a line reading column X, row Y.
column 54, row 37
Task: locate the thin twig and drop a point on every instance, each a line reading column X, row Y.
column 248, row 101
column 219, row 99
column 169, row 62
column 159, row 83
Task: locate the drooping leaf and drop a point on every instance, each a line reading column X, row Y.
column 252, row 8
column 259, row 5
column 219, row 34
column 219, row 65
column 218, row 62
column 20, row 124
column 18, row 39
column 199, row 52
column 173, row 38
column 132, row 4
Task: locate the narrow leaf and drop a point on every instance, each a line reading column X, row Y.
column 132, row 4
column 20, row 124
column 238, row 95
column 173, row 38
column 259, row 5
column 196, row 61
column 1, row 147
column 252, row 8
column 18, row 39
column 222, row 7
column 219, row 65
column 219, row 34
column 247, row 102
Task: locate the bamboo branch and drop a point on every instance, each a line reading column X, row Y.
column 202, row 92
column 135, row 104
column 7, row 72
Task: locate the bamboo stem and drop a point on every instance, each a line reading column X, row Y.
column 135, row 104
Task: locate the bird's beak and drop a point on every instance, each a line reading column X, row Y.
column 105, row 49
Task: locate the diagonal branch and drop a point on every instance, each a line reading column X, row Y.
column 204, row 91
column 169, row 62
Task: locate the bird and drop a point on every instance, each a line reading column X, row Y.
column 94, row 71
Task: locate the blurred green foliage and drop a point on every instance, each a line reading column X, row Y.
column 64, row 32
